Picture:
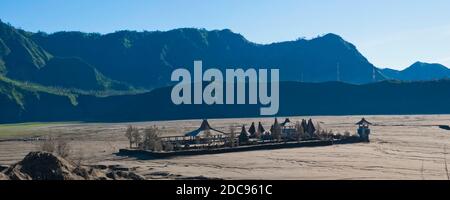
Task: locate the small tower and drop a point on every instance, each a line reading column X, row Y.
column 374, row 77
column 364, row 130
column 338, row 72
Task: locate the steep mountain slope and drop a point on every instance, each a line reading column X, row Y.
column 419, row 71
column 75, row 73
column 22, row 59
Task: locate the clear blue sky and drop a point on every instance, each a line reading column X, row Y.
column 389, row 33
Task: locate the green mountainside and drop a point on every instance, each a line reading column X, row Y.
column 24, row 60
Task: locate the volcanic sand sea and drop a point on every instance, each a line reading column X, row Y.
column 402, row 147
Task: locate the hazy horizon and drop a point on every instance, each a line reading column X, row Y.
column 393, row 36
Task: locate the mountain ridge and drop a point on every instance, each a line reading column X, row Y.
column 419, row 71
column 320, row 59
column 145, row 53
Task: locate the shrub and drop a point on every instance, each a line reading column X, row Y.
column 63, row 148
column 167, row 146
column 48, row 145
column 347, row 134
column 58, row 146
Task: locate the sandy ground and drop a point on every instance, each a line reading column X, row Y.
column 402, row 147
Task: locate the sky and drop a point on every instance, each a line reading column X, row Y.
column 392, row 34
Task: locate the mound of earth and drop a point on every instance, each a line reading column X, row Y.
column 47, row 166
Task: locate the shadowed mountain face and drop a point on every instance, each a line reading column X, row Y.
column 296, row 99
column 419, row 71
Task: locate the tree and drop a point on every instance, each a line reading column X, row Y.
column 136, row 137
column 243, row 137
column 231, row 140
column 299, row 131
column 260, row 131
column 311, row 129
column 129, row 134
column 304, row 125
column 151, row 140
column 276, row 131
column 318, row 128
column 252, row 130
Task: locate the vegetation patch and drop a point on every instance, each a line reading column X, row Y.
column 25, row 129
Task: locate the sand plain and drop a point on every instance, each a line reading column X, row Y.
column 402, row 147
